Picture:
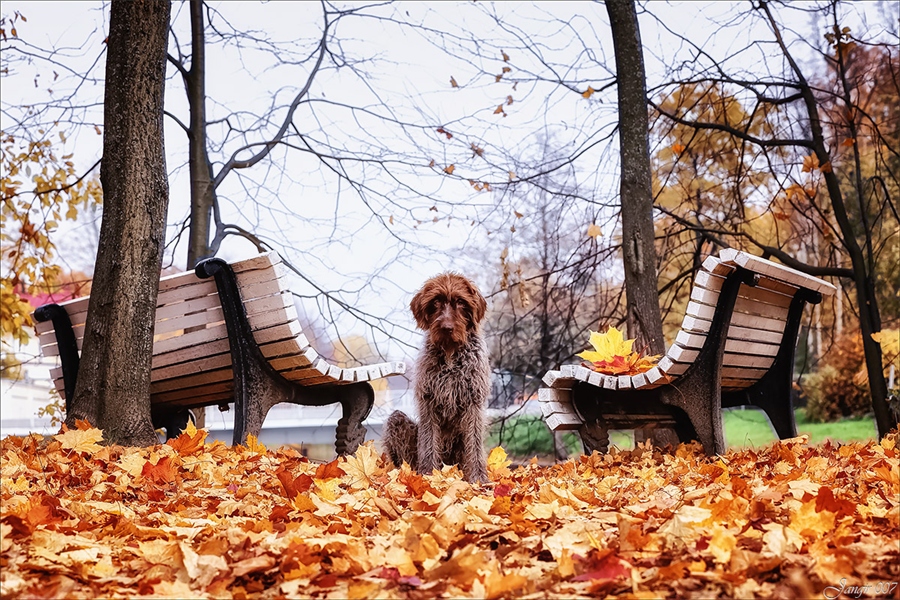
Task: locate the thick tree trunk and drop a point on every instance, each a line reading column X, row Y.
column 113, row 390
column 635, row 193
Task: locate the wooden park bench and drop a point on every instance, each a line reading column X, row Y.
column 226, row 333
column 735, row 347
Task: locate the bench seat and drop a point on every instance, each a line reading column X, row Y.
column 192, row 364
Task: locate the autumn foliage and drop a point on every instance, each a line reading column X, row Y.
column 192, row 519
column 614, row 355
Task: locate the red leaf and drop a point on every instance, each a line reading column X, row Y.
column 293, row 485
column 162, row 472
column 609, row 566
column 826, row 500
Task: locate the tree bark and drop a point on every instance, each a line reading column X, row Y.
column 113, row 389
column 635, row 191
column 202, row 189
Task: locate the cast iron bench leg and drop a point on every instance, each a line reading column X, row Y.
column 258, row 387
column 356, row 401
column 594, row 432
column 698, row 392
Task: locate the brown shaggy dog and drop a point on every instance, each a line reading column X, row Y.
column 452, row 383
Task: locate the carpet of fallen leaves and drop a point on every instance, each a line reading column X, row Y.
column 192, row 519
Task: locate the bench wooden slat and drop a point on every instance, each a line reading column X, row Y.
column 701, row 326
column 275, row 349
column 750, row 295
column 710, row 281
column 693, row 341
column 706, row 313
column 563, row 422
column 190, row 286
column 685, row 357
column 776, row 271
column 716, row 266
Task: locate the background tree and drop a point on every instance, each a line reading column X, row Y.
column 845, row 209
column 113, row 388
column 635, row 191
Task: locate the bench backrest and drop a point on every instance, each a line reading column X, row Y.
column 191, row 352
column 755, row 330
column 757, row 324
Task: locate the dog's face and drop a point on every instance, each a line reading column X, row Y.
column 449, row 307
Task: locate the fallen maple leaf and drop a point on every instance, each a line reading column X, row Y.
column 293, row 485
column 81, row 440
column 164, row 471
column 361, row 466
column 329, row 470
column 498, row 463
column 190, row 441
column 253, row 445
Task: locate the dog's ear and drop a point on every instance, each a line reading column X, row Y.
column 419, row 308
column 479, row 304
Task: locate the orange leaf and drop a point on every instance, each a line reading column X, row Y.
column 449, row 170
column 810, row 163
column 677, row 148
column 445, row 132
column 453, row 83
column 164, row 471
column 190, row 441
column 293, row 485
column 329, row 471
column 505, row 56
column 588, row 92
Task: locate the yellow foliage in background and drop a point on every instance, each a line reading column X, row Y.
column 39, row 189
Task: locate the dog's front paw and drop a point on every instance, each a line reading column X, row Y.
column 478, row 476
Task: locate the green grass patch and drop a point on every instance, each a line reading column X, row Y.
column 750, row 427
column 527, row 436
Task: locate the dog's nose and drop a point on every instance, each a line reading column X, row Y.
column 447, row 320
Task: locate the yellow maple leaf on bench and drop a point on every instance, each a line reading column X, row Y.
column 614, row 355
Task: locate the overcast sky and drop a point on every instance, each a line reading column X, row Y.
column 373, row 246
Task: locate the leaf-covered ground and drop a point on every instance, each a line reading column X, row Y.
column 192, row 519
